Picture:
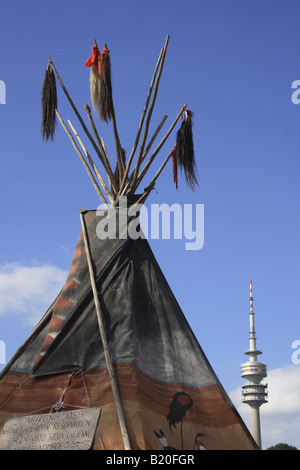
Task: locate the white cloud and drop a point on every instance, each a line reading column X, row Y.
column 28, row 291
column 280, row 417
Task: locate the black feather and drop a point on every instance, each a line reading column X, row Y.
column 185, row 150
column 49, row 104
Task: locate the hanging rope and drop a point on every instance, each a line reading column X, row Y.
column 17, row 388
column 84, row 385
column 58, row 405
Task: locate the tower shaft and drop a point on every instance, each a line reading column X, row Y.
column 255, row 424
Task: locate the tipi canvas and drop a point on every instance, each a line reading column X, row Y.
column 170, row 394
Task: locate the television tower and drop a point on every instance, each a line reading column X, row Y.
column 254, row 393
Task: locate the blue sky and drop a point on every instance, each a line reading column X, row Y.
column 233, row 63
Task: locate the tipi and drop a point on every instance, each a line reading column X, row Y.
column 115, row 341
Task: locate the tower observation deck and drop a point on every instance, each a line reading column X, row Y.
column 254, row 393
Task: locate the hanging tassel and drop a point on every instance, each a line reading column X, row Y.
column 100, row 82
column 94, row 62
column 185, row 150
column 49, row 105
column 106, row 102
column 174, row 165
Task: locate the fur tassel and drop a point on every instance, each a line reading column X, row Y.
column 105, row 98
column 49, row 104
column 185, row 150
column 95, row 87
column 94, row 62
column 100, row 83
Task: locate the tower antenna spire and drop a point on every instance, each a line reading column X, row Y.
column 254, row 393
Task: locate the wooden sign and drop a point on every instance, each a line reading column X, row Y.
column 67, row 430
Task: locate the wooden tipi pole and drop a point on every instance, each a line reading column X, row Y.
column 147, row 165
column 139, row 159
column 140, row 125
column 87, row 132
column 100, row 194
column 101, row 180
column 110, row 369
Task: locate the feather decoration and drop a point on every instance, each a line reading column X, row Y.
column 185, row 150
column 94, row 62
column 100, row 83
column 49, row 104
column 105, row 92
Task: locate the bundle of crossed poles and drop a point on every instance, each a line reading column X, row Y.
column 122, row 180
